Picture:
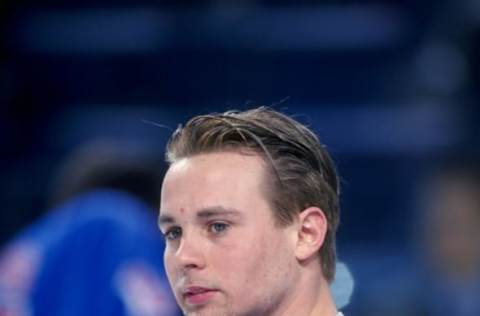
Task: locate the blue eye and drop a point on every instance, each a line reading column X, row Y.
column 173, row 233
column 218, row 227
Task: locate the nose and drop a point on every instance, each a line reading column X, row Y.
column 189, row 254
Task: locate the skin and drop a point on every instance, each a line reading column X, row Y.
column 222, row 237
column 452, row 228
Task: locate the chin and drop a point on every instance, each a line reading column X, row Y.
column 207, row 310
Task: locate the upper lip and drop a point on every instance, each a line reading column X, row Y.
column 192, row 290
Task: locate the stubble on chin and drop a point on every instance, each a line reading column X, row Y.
column 208, row 310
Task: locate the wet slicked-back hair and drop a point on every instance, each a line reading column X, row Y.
column 300, row 171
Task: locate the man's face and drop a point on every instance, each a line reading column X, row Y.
column 225, row 255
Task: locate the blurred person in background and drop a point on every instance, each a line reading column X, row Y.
column 96, row 252
column 450, row 231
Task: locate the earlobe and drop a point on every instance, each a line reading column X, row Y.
column 312, row 228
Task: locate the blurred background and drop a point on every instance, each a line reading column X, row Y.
column 392, row 88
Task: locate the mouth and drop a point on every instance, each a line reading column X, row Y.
column 196, row 295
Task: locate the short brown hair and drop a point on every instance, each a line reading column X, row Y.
column 303, row 172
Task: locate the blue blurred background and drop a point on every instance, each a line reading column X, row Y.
column 390, row 86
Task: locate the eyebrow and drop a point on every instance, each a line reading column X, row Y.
column 217, row 210
column 203, row 214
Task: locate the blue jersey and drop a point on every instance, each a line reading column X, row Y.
column 99, row 254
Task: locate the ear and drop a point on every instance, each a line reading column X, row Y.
column 312, row 228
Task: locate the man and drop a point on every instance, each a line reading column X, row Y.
column 249, row 209
column 450, row 231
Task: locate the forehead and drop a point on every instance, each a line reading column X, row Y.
column 227, row 179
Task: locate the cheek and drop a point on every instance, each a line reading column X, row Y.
column 260, row 276
column 253, row 263
column 234, row 260
column 169, row 266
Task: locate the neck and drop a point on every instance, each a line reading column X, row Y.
column 312, row 297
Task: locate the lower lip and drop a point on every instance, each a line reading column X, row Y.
column 199, row 298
